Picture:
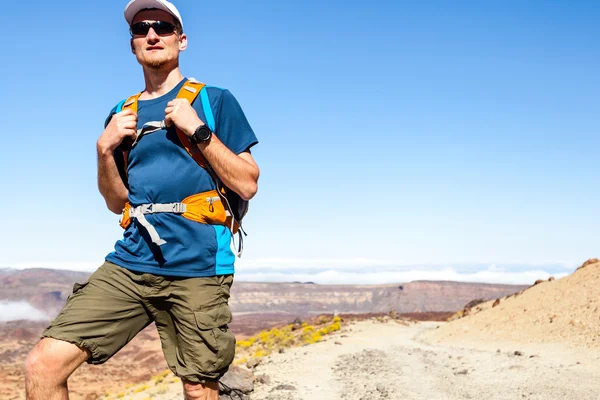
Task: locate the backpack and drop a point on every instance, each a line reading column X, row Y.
column 232, row 202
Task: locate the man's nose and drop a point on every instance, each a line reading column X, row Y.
column 152, row 36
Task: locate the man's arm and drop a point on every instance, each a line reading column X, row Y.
column 238, row 172
column 110, row 184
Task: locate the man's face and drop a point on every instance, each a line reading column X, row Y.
column 153, row 50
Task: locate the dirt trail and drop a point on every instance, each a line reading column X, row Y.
column 390, row 361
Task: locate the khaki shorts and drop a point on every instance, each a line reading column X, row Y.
column 191, row 315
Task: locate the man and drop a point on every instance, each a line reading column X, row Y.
column 182, row 281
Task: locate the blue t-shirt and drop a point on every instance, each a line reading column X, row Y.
column 161, row 171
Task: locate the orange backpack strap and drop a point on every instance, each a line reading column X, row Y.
column 189, row 91
column 132, row 104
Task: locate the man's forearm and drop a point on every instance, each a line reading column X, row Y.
column 236, row 173
column 109, row 182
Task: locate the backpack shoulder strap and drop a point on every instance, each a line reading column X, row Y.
column 210, row 118
column 132, row 103
column 189, row 91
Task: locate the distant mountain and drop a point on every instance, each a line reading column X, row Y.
column 45, row 289
column 48, row 289
column 418, row 296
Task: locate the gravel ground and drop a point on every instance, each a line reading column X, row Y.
column 373, row 360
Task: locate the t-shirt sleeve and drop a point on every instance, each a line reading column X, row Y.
column 231, row 125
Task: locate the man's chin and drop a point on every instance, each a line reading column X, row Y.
column 155, row 64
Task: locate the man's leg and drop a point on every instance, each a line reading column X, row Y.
column 99, row 318
column 191, row 316
column 48, row 367
column 200, row 391
column 168, row 337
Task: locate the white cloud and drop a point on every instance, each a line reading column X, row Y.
column 71, row 266
column 369, row 271
column 359, row 264
column 348, row 277
column 15, row 310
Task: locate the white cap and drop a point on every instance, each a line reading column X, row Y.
column 135, row 6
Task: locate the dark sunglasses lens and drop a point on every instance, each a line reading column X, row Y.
column 141, row 28
column 160, row 27
column 163, row 28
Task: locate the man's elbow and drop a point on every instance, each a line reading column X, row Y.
column 114, row 208
column 249, row 190
column 250, row 187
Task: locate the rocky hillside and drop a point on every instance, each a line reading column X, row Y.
column 565, row 311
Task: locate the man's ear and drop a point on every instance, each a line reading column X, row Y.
column 182, row 42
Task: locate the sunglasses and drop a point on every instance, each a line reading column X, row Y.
column 162, row 28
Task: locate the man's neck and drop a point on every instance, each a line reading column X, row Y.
column 160, row 82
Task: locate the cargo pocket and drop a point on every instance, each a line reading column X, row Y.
column 217, row 337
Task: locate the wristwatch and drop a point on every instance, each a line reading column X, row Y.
column 202, row 134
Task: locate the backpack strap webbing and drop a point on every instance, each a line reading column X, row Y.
column 189, row 91
column 132, row 104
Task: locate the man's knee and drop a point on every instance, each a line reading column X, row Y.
column 54, row 360
column 201, row 391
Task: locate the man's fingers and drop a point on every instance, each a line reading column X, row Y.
column 127, row 111
column 129, row 124
column 128, row 133
column 127, row 119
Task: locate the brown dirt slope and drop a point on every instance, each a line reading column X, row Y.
column 565, row 311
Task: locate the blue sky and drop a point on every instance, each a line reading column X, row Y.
column 398, row 141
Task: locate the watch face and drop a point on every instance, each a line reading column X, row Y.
column 202, row 133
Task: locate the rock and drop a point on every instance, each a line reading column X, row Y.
column 337, row 342
column 233, row 396
column 281, row 350
column 297, row 324
column 253, row 363
column 284, row 387
column 497, row 302
column 550, row 279
column 380, row 387
column 263, row 379
column 588, row 262
column 473, row 303
column 236, row 381
column 538, row 282
column 462, row 372
column 518, row 353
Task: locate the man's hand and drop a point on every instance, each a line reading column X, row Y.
column 181, row 113
column 121, row 125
